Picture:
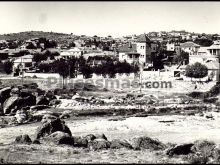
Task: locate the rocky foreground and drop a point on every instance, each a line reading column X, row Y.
column 54, row 132
column 28, row 104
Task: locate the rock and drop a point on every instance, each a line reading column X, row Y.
column 38, row 107
column 99, row 144
column 40, row 92
column 23, row 139
column 4, row 94
column 147, row 143
column 25, row 93
column 36, row 142
column 9, row 104
column 209, row 116
column 30, row 85
column 182, row 149
column 14, row 91
column 59, row 137
column 54, row 102
column 21, row 116
column 42, row 100
column 65, row 115
column 26, row 101
column 203, row 146
column 80, row 142
column 51, row 124
column 50, row 95
column 91, row 137
column 117, row 144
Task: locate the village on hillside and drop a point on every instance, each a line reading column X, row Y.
column 109, row 82
column 156, row 51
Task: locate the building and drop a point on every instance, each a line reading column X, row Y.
column 143, row 47
column 73, row 52
column 138, row 52
column 189, row 47
column 128, row 52
column 208, row 56
column 23, row 63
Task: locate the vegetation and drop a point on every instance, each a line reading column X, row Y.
column 8, row 67
column 99, row 65
column 196, row 70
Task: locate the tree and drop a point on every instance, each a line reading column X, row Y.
column 61, row 66
column 183, row 56
column 203, row 42
column 196, row 70
column 8, row 67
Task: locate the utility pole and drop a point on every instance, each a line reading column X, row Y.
column 140, row 79
column 22, row 72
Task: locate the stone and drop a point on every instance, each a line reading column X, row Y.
column 38, row 107
column 50, row 95
column 91, row 137
column 117, row 144
column 15, row 91
column 51, row 124
column 9, row 104
column 80, row 142
column 99, row 144
column 182, row 149
column 42, row 100
column 54, row 102
column 59, row 137
column 21, row 116
column 4, row 94
column 147, row 143
column 23, row 139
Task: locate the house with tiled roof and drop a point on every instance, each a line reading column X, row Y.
column 128, row 52
column 189, row 47
column 138, row 52
column 208, row 56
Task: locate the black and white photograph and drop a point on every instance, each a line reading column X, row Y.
column 109, row 82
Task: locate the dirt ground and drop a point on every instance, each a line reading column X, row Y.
column 175, row 129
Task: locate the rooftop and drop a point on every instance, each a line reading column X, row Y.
column 128, row 48
column 189, row 44
column 143, row 38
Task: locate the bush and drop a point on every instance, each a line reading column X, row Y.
column 210, row 100
column 196, row 94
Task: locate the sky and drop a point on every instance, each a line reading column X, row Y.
column 109, row 18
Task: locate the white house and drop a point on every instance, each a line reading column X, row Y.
column 208, row 56
column 73, row 52
column 189, row 47
column 138, row 52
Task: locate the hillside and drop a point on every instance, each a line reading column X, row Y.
column 33, row 34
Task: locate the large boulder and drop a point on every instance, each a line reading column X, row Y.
column 26, row 101
column 99, row 144
column 9, row 104
column 4, row 94
column 23, row 139
column 42, row 100
column 147, row 143
column 182, row 149
column 117, row 144
column 59, row 137
column 51, row 124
